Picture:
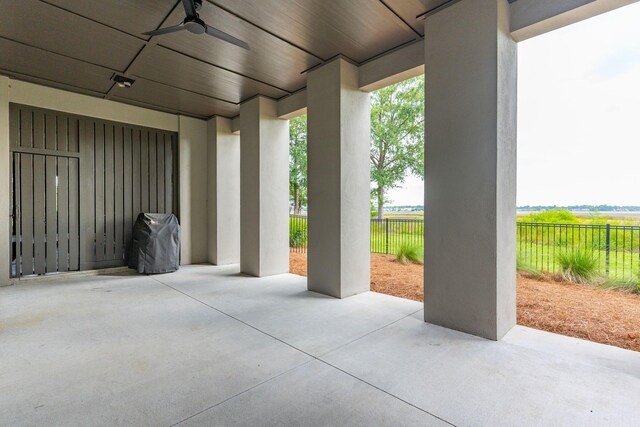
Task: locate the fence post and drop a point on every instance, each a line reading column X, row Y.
column 608, row 246
column 386, row 234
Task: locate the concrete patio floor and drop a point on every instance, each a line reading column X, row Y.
column 207, row 346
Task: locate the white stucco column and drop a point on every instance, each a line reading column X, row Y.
column 264, row 189
column 338, row 174
column 223, row 202
column 470, row 168
column 5, row 179
column 192, row 180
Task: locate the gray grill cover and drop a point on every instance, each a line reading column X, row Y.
column 155, row 245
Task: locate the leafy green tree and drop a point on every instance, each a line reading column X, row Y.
column 397, row 136
column 298, row 162
column 397, row 143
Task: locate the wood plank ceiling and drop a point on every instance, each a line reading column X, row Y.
column 78, row 45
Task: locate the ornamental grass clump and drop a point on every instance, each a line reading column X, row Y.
column 631, row 286
column 578, row 266
column 528, row 270
column 409, row 253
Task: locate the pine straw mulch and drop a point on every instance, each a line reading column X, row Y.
column 605, row 316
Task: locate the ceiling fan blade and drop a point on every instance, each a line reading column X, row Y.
column 166, row 30
column 189, row 8
column 226, row 37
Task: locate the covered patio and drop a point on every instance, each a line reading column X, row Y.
column 209, row 346
column 112, row 108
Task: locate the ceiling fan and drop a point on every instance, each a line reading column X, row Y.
column 195, row 25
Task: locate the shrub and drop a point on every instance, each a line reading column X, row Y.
column 528, row 269
column 578, row 266
column 297, row 234
column 554, row 215
column 631, row 286
column 409, row 253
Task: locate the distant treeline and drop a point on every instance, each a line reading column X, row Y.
column 573, row 208
column 416, row 208
column 582, row 208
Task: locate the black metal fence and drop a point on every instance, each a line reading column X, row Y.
column 298, row 233
column 616, row 248
column 387, row 235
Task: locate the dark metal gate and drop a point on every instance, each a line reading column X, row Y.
column 78, row 184
column 45, row 214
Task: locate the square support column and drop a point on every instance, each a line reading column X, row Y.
column 5, row 179
column 223, row 203
column 470, row 168
column 338, row 175
column 192, row 178
column 264, row 189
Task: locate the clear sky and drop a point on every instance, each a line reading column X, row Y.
column 578, row 115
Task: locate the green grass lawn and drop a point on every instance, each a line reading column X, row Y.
column 537, row 245
column 623, row 265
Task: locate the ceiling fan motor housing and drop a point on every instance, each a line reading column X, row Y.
column 195, row 25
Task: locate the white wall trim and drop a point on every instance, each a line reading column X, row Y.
column 531, row 18
column 293, row 105
column 60, row 100
column 393, row 67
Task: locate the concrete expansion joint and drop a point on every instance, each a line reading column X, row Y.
column 242, row 392
column 313, row 358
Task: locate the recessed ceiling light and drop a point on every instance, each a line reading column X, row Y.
column 123, row 81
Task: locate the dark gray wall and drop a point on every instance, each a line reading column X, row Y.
column 79, row 184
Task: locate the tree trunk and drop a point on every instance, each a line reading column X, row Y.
column 380, row 192
column 296, row 200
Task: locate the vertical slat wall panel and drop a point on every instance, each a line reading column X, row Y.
column 26, row 191
column 170, row 162
column 51, row 211
column 174, row 179
column 62, row 124
column 168, row 172
column 39, row 215
column 14, row 132
column 175, row 183
column 86, row 131
column 153, row 183
column 14, row 125
column 63, row 213
column 128, row 186
column 74, row 214
column 74, row 205
column 137, row 198
column 26, row 128
column 99, row 191
column 12, row 242
column 144, row 170
column 38, row 129
column 74, row 135
column 118, row 192
column 109, row 196
column 51, row 190
column 51, row 132
column 17, row 214
column 160, row 170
